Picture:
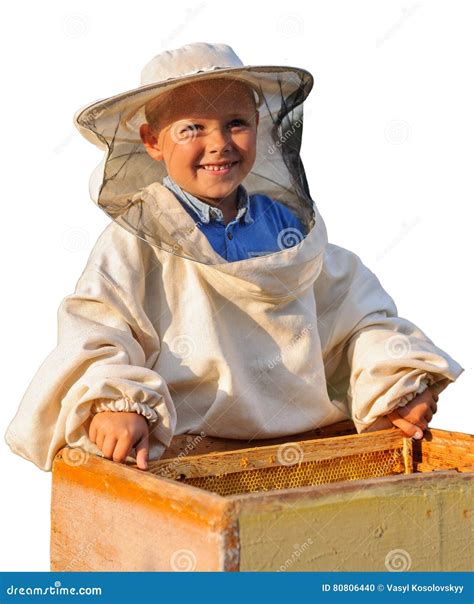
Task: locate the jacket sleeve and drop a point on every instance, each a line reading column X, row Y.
column 375, row 361
column 103, row 360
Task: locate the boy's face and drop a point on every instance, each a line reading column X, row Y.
column 200, row 125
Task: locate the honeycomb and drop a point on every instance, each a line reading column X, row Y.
column 372, row 464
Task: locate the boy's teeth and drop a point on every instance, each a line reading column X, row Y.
column 224, row 167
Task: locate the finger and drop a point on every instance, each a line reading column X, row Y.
column 410, row 413
column 142, row 452
column 431, row 393
column 93, row 431
column 100, row 438
column 427, row 397
column 420, row 422
column 408, row 408
column 429, row 403
column 407, row 427
column 109, row 446
column 414, row 419
column 428, row 416
column 122, row 449
column 440, row 386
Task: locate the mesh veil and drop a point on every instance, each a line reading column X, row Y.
column 127, row 183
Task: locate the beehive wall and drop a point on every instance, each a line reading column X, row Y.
column 108, row 517
column 423, row 523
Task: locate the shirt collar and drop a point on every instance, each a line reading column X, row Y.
column 207, row 212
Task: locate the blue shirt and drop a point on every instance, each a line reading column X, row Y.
column 261, row 226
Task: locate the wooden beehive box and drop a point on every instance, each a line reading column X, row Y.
column 328, row 500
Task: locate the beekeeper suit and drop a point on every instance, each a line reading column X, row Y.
column 161, row 324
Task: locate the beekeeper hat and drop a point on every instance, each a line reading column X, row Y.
column 113, row 124
column 98, row 122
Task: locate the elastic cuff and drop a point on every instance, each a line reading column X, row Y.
column 125, row 404
column 405, row 399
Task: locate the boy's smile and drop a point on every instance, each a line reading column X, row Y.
column 206, row 134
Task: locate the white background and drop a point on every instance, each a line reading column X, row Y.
column 388, row 151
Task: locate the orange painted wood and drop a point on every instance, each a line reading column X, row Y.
column 442, row 449
column 107, row 516
column 114, row 517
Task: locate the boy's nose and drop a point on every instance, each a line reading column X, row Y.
column 219, row 138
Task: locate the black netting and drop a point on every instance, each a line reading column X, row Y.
column 128, row 184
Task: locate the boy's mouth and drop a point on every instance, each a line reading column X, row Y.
column 218, row 168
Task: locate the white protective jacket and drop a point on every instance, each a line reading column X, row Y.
column 273, row 345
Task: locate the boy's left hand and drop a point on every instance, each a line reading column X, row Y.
column 414, row 417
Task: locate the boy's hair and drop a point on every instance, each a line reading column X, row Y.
column 158, row 107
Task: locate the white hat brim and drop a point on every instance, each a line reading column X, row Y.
column 98, row 121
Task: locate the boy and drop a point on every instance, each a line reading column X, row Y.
column 214, row 302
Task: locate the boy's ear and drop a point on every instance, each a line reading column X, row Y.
column 150, row 141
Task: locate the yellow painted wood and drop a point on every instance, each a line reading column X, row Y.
column 416, row 523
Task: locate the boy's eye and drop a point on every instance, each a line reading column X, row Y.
column 239, row 122
column 195, row 127
column 190, row 128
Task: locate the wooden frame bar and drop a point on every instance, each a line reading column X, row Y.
column 108, row 516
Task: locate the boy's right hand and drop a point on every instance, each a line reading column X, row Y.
column 116, row 433
column 414, row 417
